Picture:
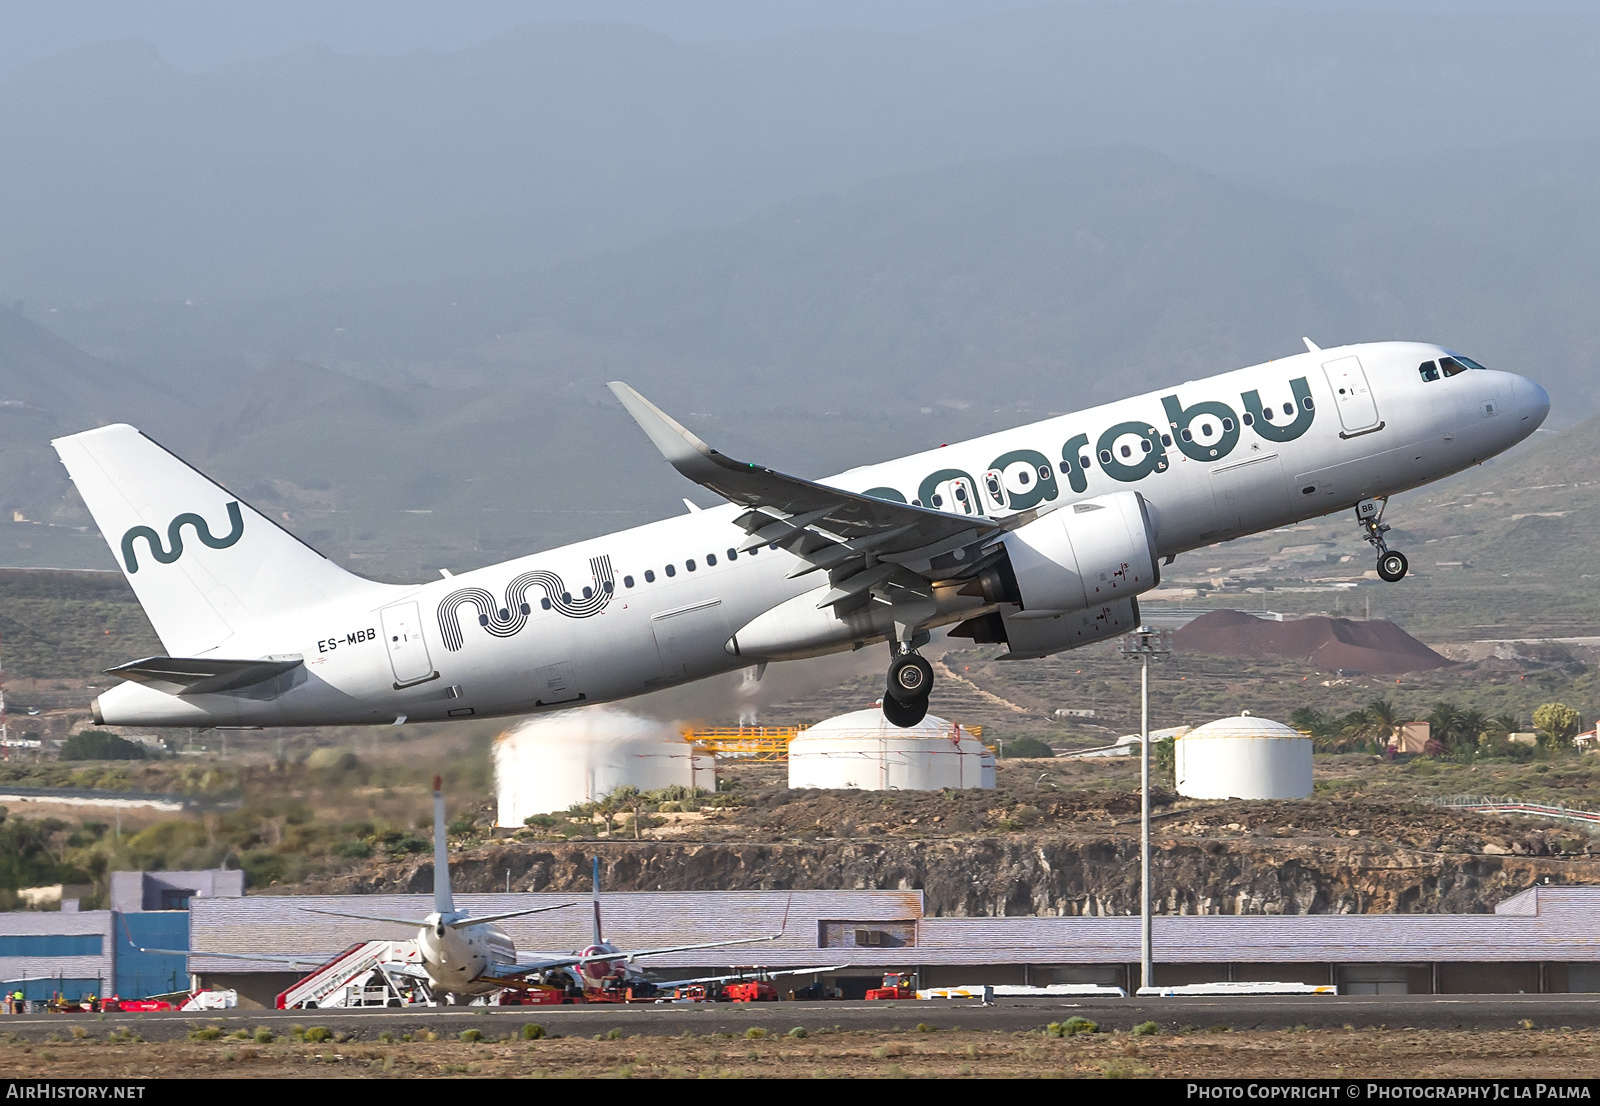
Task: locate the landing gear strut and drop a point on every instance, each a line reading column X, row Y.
column 905, row 700
column 1392, row 564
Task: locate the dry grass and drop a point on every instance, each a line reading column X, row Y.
column 936, row 1054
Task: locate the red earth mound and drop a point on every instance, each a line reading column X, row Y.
column 1381, row 648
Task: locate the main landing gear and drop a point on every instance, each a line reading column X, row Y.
column 1392, row 564
column 905, row 700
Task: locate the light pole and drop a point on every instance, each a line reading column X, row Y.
column 1143, row 644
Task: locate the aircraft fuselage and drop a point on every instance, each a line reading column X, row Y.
column 665, row 603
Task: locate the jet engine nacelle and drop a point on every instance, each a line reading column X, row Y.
column 1070, row 577
column 1095, row 552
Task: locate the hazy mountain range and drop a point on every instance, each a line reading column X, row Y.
column 380, row 295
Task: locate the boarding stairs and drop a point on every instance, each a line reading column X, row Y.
column 373, row 973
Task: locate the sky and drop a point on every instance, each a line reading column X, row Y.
column 202, row 34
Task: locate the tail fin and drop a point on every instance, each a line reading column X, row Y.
column 597, row 937
column 203, row 563
column 442, row 902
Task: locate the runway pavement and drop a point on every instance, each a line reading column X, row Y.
column 1006, row 1015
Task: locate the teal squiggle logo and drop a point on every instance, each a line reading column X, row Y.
column 175, row 537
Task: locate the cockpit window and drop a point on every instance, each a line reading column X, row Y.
column 1454, row 365
column 1470, row 363
column 1429, row 370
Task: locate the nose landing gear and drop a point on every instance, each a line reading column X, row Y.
column 1392, row 564
column 905, row 700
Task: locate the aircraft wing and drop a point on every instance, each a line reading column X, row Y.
column 863, row 542
column 762, row 973
column 545, row 964
column 202, row 675
column 293, row 961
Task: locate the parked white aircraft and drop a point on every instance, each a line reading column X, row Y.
column 1040, row 537
column 466, row 955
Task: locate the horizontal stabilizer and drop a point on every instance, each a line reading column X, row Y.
column 415, row 923
column 457, row 923
column 204, row 675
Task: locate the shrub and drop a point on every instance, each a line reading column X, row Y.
column 205, row 1033
column 1146, row 1029
column 472, row 1036
column 1072, row 1027
column 543, row 821
column 318, row 1034
column 798, row 1032
column 263, row 1035
column 100, row 745
column 353, row 850
column 1027, row 747
column 755, row 1033
column 533, row 1031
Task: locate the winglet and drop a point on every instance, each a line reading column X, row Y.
column 687, row 453
column 442, row 901
column 1311, row 347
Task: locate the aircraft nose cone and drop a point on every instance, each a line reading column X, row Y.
column 1532, row 402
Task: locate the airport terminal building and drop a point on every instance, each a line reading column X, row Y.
column 1543, row 940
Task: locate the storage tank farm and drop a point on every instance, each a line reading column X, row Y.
column 864, row 751
column 547, row 764
column 1243, row 757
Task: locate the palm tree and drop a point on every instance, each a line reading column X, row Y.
column 1471, row 727
column 1383, row 723
column 1502, row 726
column 1445, row 721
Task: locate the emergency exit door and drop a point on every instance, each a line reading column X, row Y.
column 408, row 652
column 1358, row 410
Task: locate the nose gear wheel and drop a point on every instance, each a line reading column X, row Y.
column 1392, row 564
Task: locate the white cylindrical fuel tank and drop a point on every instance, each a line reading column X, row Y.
column 1243, row 757
column 578, row 756
column 863, row 750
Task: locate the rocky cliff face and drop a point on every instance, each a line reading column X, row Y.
column 1038, row 873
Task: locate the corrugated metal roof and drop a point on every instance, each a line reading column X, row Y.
column 1563, row 929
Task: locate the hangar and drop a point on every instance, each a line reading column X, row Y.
column 1543, row 940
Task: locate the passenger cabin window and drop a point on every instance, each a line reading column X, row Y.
column 649, row 575
column 689, row 564
column 627, row 581
column 711, row 558
column 733, row 554
column 671, row 571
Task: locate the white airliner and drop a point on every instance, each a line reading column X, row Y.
column 1041, row 538
column 468, row 956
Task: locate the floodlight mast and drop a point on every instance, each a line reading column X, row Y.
column 1144, row 643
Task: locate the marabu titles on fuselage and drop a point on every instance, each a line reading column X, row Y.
column 699, row 594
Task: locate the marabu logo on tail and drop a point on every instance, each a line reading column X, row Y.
column 175, row 537
column 508, row 620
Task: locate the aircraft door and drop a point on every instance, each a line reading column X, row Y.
column 408, row 652
column 1358, row 410
column 956, row 496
